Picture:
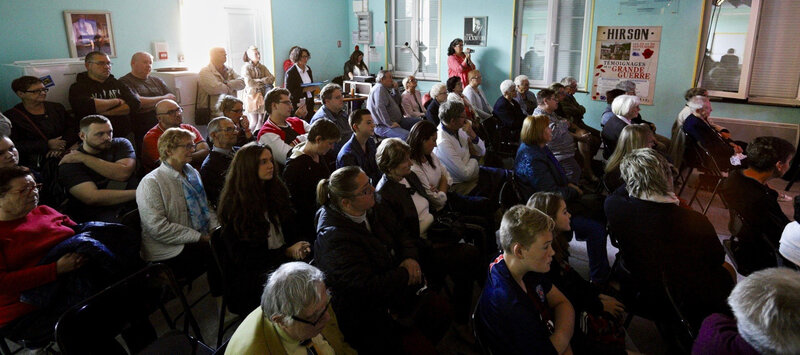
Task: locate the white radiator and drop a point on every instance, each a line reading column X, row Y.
column 746, row 130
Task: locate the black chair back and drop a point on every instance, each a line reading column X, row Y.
column 92, row 325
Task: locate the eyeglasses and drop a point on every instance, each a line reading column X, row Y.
column 102, row 64
column 321, row 316
column 27, row 189
column 412, row 80
column 37, row 91
column 305, row 56
column 238, row 111
column 189, row 146
column 369, row 190
column 285, row 102
column 172, row 112
column 229, row 129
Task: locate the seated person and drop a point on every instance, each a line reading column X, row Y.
column 42, row 276
column 746, row 192
column 570, row 108
column 455, row 93
column 603, row 312
column 99, row 175
column 642, row 216
column 790, row 239
column 386, row 109
column 175, row 218
column 438, row 95
column 333, row 110
column 525, row 98
column 233, row 108
column 405, row 207
column 457, row 147
column 700, row 130
column 508, row 110
column 755, row 327
column 562, row 143
column 412, row 101
column 5, row 126
column 610, row 96
column 625, row 108
column 41, row 129
column 258, row 226
column 360, row 149
column 588, row 142
column 475, row 95
column 633, row 136
column 370, row 282
column 678, row 142
column 519, row 309
column 170, row 115
column 294, row 316
column 9, row 155
column 281, row 132
column 304, row 169
column 223, row 132
column 538, row 170
column 662, row 143
column 355, row 66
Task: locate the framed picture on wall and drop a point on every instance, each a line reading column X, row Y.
column 475, row 31
column 89, row 31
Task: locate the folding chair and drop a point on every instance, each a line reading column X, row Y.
column 218, row 250
column 92, row 325
column 707, row 166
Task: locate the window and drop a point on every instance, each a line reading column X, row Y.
column 415, row 38
column 552, row 40
column 750, row 51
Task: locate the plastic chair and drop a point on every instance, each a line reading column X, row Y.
column 93, row 325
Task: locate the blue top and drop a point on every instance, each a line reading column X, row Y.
column 537, row 169
column 607, row 114
column 352, row 154
column 508, row 320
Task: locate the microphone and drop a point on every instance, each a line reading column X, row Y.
column 469, row 50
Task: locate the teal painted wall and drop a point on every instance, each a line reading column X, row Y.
column 315, row 25
column 37, row 30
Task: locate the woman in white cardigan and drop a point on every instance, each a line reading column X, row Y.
column 175, row 218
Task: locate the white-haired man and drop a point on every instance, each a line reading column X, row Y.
column 295, row 317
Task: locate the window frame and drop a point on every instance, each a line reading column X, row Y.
column 414, row 43
column 552, row 52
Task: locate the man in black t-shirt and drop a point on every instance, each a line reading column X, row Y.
column 149, row 89
column 99, row 175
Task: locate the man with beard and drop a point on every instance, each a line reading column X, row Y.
column 97, row 92
column 99, row 175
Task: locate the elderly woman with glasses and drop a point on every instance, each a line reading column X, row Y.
column 40, row 269
column 233, row 108
column 507, row 109
column 175, row 217
column 371, row 283
column 300, row 73
column 41, row 129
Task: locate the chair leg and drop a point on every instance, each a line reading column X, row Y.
column 685, row 180
column 221, row 330
column 713, row 194
column 694, row 195
column 4, row 350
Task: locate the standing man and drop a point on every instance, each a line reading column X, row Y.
column 99, row 174
column 385, row 109
column 333, row 110
column 170, row 115
column 216, row 79
column 150, row 91
column 97, row 92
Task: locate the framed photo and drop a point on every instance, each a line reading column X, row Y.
column 475, row 31
column 89, row 31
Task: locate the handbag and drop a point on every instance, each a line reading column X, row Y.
column 447, row 228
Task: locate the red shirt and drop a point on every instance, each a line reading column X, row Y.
column 150, row 144
column 455, row 67
column 23, row 243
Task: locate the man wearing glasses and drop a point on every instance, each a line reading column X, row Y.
column 99, row 175
column 291, row 323
column 97, row 92
column 223, row 132
column 170, row 115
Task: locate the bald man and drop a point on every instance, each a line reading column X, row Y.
column 150, row 90
column 170, row 115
